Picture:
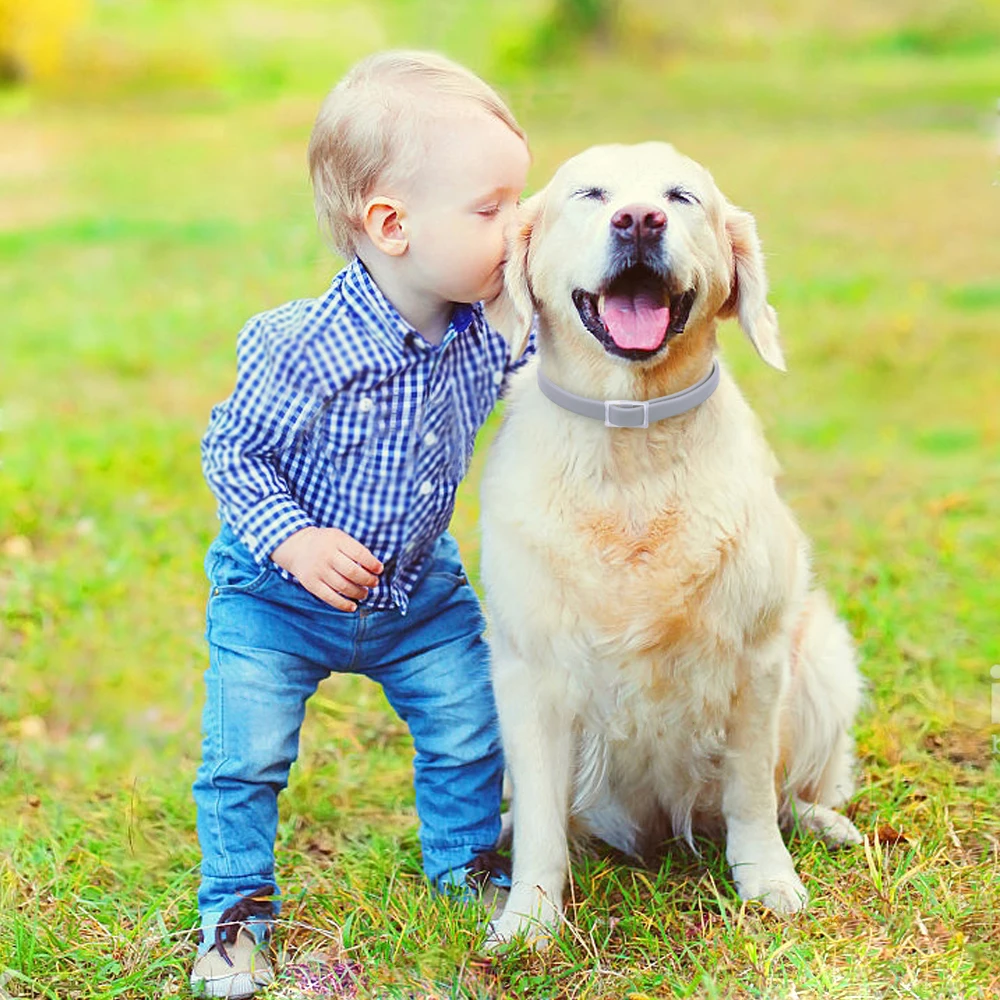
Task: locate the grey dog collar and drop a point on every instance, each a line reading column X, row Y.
column 632, row 412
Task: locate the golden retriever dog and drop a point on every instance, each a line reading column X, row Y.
column 663, row 663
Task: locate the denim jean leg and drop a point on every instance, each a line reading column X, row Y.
column 438, row 680
column 255, row 704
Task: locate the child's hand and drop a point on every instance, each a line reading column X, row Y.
column 330, row 565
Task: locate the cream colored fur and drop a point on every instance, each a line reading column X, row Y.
column 662, row 660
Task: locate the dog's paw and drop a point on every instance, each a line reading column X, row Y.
column 516, row 927
column 763, row 869
column 530, row 921
column 767, row 874
column 830, row 826
column 782, row 894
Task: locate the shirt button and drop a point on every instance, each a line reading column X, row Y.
column 425, row 487
column 365, row 405
column 430, row 438
column 498, row 377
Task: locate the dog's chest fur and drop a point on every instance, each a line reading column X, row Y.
column 632, row 543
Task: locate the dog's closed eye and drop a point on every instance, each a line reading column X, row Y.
column 682, row 195
column 591, row 194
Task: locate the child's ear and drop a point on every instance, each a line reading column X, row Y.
column 513, row 310
column 748, row 297
column 384, row 223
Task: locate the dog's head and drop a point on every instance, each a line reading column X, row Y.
column 632, row 249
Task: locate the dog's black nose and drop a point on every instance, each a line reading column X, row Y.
column 639, row 222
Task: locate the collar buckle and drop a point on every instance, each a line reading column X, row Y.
column 624, row 415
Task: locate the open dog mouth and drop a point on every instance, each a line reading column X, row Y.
column 636, row 313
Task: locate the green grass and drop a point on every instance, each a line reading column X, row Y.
column 139, row 229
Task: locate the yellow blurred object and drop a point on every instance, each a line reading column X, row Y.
column 35, row 35
column 33, row 727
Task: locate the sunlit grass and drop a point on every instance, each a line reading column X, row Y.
column 137, row 235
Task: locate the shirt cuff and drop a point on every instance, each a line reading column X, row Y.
column 270, row 522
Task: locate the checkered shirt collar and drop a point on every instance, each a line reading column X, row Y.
column 394, row 331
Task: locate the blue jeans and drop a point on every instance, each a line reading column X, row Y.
column 270, row 644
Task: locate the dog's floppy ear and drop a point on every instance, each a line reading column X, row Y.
column 513, row 310
column 748, row 297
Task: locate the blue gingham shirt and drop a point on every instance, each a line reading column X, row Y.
column 344, row 416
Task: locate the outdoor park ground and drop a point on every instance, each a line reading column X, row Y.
column 140, row 227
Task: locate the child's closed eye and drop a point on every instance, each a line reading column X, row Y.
column 487, row 211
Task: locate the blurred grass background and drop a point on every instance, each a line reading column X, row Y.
column 153, row 195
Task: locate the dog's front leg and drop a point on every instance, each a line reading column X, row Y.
column 761, row 865
column 536, row 725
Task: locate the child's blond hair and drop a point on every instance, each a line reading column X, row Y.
column 368, row 131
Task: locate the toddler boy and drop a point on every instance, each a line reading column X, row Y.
column 335, row 463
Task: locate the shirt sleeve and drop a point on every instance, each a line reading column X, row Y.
column 245, row 435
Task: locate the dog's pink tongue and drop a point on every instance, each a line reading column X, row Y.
column 636, row 322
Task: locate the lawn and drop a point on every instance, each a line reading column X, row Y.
column 143, row 218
